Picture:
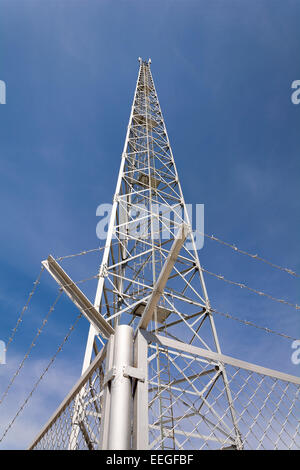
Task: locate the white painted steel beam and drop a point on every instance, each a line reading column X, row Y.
column 77, row 297
column 140, row 436
column 119, row 430
column 217, row 357
column 163, row 277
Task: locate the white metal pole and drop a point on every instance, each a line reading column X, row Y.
column 119, row 433
column 140, row 439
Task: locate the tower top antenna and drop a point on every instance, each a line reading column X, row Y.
column 145, row 62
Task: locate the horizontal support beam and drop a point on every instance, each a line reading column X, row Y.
column 77, row 297
column 169, row 433
column 163, row 277
column 134, row 373
column 216, row 357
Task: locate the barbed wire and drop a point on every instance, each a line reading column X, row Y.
column 45, row 321
column 81, row 253
column 40, row 331
column 221, row 277
column 249, row 323
column 243, row 252
column 35, row 284
column 84, row 252
column 243, row 286
column 226, row 315
column 41, row 377
column 211, row 237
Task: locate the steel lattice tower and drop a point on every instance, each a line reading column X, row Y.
column 150, row 280
column 159, row 379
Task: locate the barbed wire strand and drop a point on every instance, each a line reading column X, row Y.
column 39, row 331
column 251, row 255
column 84, row 252
column 81, row 253
column 249, row 323
column 218, row 276
column 211, row 237
column 35, row 284
column 243, row 286
column 41, row 377
column 227, row 315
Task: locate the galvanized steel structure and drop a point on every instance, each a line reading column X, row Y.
column 161, row 380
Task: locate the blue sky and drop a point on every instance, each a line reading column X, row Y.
column 223, row 72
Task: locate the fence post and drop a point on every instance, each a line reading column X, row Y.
column 141, row 405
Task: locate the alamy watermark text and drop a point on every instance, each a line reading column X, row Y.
column 134, row 221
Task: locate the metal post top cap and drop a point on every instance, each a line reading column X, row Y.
column 123, row 327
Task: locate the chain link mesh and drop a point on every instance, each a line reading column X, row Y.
column 193, row 410
column 77, row 424
column 194, row 403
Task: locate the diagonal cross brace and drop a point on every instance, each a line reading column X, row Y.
column 77, row 297
column 163, row 277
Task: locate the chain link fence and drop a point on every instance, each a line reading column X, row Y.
column 197, row 399
column 76, row 425
column 195, row 403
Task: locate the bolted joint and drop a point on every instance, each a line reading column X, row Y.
column 124, row 371
column 103, row 270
